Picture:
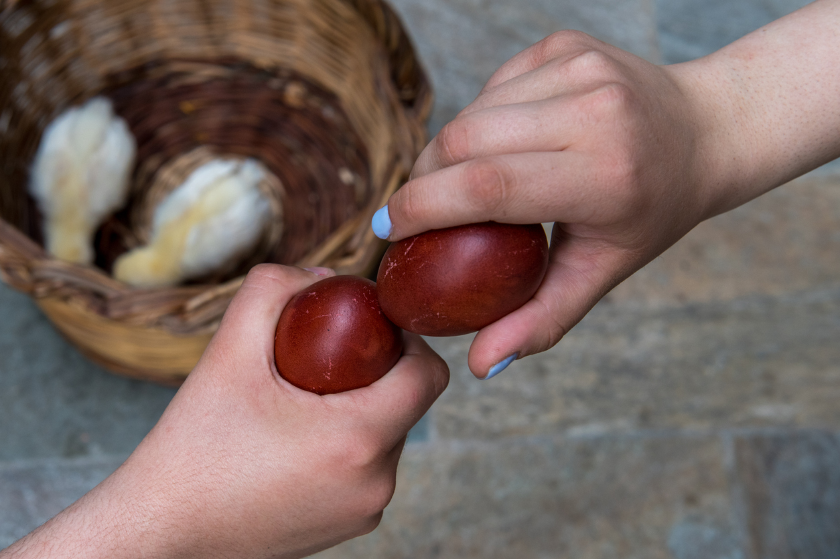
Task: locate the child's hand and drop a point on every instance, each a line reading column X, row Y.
column 243, row 464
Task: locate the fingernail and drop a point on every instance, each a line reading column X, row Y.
column 500, row 366
column 381, row 223
column 319, row 271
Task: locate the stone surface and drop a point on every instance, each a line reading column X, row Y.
column 790, row 492
column 760, row 361
column 463, row 42
column 689, row 29
column 783, row 242
column 601, row 498
column 59, row 403
column 691, row 539
column 33, row 491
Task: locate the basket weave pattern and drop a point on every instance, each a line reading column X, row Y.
column 327, row 94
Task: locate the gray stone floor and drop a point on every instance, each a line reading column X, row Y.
column 691, row 415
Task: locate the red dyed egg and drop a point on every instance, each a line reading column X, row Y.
column 333, row 337
column 458, row 280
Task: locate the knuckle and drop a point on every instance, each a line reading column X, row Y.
column 612, row 101
column 453, row 143
column 422, row 165
column 564, row 40
column 406, row 206
column 554, row 330
column 363, row 452
column 488, row 183
column 355, row 454
column 374, row 500
column 369, row 524
column 594, row 64
column 262, row 275
column 557, row 43
column 261, row 272
column 371, row 495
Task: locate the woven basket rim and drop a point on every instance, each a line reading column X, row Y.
column 23, row 261
column 71, row 294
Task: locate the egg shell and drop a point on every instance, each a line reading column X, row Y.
column 333, row 337
column 454, row 281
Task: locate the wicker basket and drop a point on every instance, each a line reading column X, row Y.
column 327, row 94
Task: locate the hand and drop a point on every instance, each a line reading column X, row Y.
column 571, row 131
column 242, row 463
column 625, row 157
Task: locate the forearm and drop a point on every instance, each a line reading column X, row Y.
column 116, row 519
column 85, row 529
column 768, row 104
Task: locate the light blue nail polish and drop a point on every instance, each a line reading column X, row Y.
column 501, row 366
column 381, row 223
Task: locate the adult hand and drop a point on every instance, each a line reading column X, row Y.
column 242, row 463
column 624, row 156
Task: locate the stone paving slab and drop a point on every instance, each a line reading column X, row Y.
column 789, row 490
column 739, row 496
column 56, row 403
column 783, row 242
column 755, row 362
column 627, row 498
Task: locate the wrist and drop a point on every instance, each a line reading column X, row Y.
column 726, row 167
column 765, row 106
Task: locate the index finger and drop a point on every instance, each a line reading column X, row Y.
column 512, row 188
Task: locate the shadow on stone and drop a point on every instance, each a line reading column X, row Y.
column 790, row 488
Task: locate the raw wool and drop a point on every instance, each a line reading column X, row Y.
column 214, row 218
column 80, row 176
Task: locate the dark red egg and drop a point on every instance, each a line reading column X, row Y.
column 333, row 337
column 458, row 280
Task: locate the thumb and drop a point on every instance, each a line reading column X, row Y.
column 580, row 272
column 248, row 326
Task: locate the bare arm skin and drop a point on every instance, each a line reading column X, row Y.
column 243, row 464
column 624, row 156
column 770, row 100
